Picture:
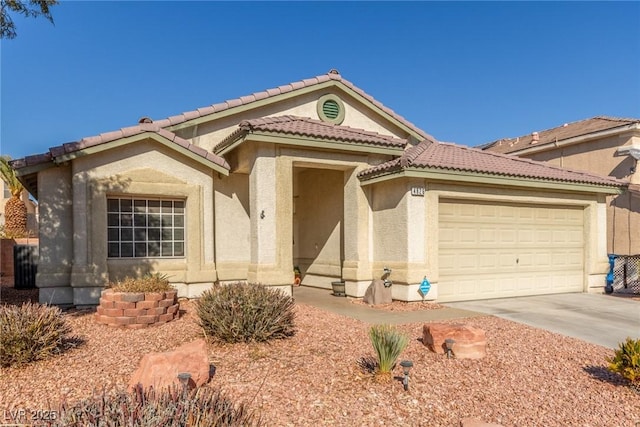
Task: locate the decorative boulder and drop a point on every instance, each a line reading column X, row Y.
column 377, row 293
column 470, row 342
column 161, row 370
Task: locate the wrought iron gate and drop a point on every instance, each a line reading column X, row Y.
column 25, row 266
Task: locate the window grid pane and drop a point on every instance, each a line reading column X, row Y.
column 141, row 228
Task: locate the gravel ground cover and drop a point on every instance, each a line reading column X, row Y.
column 530, row 377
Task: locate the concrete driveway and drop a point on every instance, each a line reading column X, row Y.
column 600, row 319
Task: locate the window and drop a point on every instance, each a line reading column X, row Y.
column 142, row 228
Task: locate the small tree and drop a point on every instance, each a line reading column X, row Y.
column 33, row 8
column 15, row 210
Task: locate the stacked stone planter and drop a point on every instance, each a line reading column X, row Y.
column 136, row 310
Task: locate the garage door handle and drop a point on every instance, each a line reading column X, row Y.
column 517, row 260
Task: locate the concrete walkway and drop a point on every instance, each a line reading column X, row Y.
column 323, row 299
column 600, row 319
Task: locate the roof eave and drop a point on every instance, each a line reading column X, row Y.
column 310, row 142
column 537, row 148
column 438, row 174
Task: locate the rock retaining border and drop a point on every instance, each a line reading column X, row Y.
column 136, row 310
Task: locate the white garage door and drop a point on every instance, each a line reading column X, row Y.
column 490, row 250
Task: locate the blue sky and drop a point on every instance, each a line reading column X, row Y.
column 464, row 72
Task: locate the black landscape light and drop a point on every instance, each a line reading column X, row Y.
column 448, row 343
column 184, row 378
column 406, row 367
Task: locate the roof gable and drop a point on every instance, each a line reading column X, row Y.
column 270, row 96
column 549, row 137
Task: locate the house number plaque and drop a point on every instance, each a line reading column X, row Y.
column 417, row 191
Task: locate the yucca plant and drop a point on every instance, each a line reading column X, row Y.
column 388, row 343
column 626, row 361
column 15, row 211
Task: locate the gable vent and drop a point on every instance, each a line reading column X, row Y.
column 330, row 109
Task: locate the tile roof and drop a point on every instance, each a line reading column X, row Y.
column 566, row 131
column 332, row 75
column 305, row 127
column 92, row 141
column 446, row 156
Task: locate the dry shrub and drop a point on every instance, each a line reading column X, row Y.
column 31, row 332
column 169, row 408
column 149, row 283
column 240, row 312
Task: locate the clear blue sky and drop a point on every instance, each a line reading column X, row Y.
column 464, row 72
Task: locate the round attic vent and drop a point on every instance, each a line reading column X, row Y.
column 331, row 109
column 145, row 120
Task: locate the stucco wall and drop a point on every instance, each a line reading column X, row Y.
column 55, row 235
column 390, row 221
column 596, row 156
column 232, row 226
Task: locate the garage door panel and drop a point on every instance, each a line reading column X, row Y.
column 500, row 250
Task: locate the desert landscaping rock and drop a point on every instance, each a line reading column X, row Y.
column 530, row 377
column 377, row 293
column 470, row 342
column 161, row 370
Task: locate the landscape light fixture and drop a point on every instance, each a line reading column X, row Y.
column 184, row 378
column 406, row 367
column 449, row 342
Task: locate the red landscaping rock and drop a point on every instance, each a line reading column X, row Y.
column 161, row 369
column 474, row 422
column 470, row 342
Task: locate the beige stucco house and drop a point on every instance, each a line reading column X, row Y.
column 315, row 174
column 602, row 145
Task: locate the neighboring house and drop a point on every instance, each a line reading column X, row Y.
column 315, row 174
column 32, row 208
column 601, row 145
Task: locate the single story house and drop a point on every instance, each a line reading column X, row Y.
column 607, row 146
column 315, row 174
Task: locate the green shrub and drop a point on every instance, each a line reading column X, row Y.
column 199, row 407
column 626, row 361
column 240, row 312
column 388, row 343
column 31, row 332
column 148, row 283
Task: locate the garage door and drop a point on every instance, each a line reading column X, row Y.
column 489, row 250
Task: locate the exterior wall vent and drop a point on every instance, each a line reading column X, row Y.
column 331, row 109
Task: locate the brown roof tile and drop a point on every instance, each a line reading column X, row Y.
column 302, row 126
column 445, row 156
column 71, row 147
column 557, row 134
